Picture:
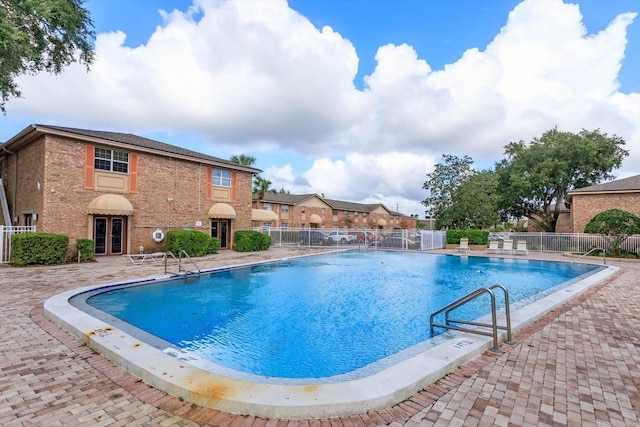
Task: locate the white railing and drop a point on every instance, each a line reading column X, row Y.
column 5, row 239
column 427, row 240
column 578, row 243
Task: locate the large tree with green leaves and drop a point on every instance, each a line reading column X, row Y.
column 41, row 35
column 534, row 179
column 461, row 197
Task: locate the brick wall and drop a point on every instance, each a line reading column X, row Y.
column 31, row 167
column 586, row 206
column 63, row 200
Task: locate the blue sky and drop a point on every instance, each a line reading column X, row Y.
column 353, row 99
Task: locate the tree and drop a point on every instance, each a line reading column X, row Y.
column 462, row 197
column 261, row 186
column 243, row 159
column 616, row 224
column 41, row 35
column 475, row 201
column 442, row 184
column 534, row 180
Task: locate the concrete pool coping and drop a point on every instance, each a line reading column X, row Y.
column 377, row 391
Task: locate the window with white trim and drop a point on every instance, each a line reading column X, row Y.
column 221, row 177
column 106, row 159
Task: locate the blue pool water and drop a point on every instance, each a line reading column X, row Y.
column 321, row 316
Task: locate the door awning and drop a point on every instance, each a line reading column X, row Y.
column 263, row 215
column 315, row 219
column 222, row 211
column 110, row 204
column 382, row 222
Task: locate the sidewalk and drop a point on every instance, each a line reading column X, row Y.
column 577, row 366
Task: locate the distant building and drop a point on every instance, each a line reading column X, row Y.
column 314, row 211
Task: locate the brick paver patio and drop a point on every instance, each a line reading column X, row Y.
column 579, row 366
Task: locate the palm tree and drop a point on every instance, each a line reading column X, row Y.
column 243, row 159
column 261, row 186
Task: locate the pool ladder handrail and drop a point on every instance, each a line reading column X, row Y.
column 494, row 323
column 181, row 267
column 604, row 255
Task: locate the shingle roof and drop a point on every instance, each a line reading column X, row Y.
column 352, row 206
column 141, row 142
column 284, row 198
column 630, row 184
column 293, row 199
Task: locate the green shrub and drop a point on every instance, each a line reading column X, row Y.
column 39, row 248
column 250, row 241
column 84, row 250
column 616, row 225
column 476, row 237
column 194, row 243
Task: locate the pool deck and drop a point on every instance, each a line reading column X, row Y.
column 579, row 365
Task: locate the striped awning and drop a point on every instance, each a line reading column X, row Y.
column 110, row 204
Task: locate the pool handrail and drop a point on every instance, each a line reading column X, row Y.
column 494, row 323
column 604, row 255
column 178, row 261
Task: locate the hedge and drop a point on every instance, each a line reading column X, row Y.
column 476, row 237
column 39, row 248
column 250, row 241
column 193, row 242
column 84, row 250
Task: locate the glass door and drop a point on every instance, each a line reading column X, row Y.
column 220, row 229
column 100, row 236
column 116, row 235
column 108, row 235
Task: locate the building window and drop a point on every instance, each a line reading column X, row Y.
column 284, row 209
column 267, row 206
column 221, row 178
column 345, row 213
column 303, row 209
column 335, row 212
column 111, row 160
column 322, row 211
column 355, row 215
column 284, row 226
column 364, row 214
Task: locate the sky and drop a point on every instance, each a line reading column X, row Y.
column 354, row 100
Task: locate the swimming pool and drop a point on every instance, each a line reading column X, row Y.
column 390, row 374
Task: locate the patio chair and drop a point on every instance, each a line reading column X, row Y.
column 464, row 244
column 507, row 247
column 493, row 247
column 521, row 248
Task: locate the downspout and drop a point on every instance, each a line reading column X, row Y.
column 15, row 183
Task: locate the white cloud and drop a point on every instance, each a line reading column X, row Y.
column 256, row 76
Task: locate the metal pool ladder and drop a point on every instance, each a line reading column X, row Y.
column 179, row 261
column 494, row 323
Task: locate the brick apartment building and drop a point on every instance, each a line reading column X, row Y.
column 314, row 211
column 587, row 202
column 120, row 190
